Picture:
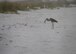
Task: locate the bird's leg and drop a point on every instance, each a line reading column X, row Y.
column 52, row 25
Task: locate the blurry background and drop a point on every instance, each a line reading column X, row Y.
column 23, row 31
column 11, row 6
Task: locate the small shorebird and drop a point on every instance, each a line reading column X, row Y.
column 52, row 21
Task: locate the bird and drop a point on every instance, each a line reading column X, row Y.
column 52, row 21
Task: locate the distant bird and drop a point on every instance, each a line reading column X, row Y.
column 52, row 21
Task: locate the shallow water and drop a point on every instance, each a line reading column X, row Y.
column 26, row 33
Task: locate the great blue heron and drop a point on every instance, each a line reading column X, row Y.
column 52, row 21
